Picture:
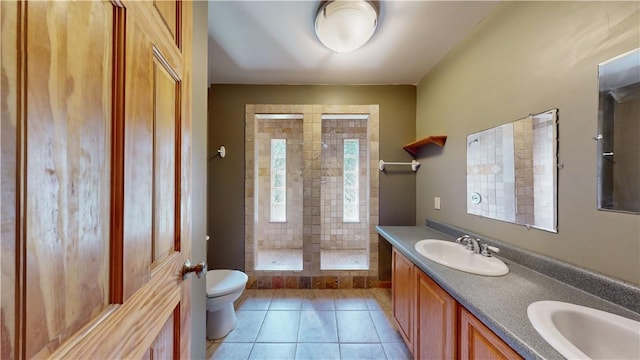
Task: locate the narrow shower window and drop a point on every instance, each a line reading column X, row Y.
column 278, row 180
column 351, row 185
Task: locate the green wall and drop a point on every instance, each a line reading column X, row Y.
column 225, row 193
column 198, row 176
column 528, row 57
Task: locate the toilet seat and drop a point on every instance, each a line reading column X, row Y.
column 224, row 282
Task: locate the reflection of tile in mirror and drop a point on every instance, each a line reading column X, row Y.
column 511, row 171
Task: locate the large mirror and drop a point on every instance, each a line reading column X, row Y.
column 512, row 172
column 618, row 136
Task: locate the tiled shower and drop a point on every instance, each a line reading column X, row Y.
column 344, row 147
column 311, row 190
column 279, row 234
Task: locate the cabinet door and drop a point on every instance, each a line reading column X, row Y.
column 402, row 285
column 478, row 342
column 435, row 321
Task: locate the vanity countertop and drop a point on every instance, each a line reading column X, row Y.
column 499, row 302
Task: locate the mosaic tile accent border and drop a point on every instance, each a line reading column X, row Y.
column 316, row 282
column 311, row 219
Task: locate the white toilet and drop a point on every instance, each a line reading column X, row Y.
column 223, row 288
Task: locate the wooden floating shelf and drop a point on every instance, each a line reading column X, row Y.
column 412, row 148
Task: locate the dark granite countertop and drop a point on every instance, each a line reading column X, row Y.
column 499, row 302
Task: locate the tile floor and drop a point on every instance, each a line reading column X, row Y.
column 291, row 259
column 348, row 324
column 344, row 260
column 279, row 259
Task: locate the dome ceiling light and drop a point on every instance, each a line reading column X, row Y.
column 346, row 25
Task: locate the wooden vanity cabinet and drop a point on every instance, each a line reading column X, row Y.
column 402, row 286
column 433, row 324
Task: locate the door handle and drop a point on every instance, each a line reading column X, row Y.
column 199, row 268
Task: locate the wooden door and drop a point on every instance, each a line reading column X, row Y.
column 402, row 286
column 435, row 321
column 95, row 179
column 478, row 341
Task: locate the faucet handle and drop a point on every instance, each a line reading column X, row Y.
column 486, row 249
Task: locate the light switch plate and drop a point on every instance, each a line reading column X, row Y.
column 436, row 203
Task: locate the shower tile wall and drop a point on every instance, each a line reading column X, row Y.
column 280, row 235
column 311, row 275
column 335, row 233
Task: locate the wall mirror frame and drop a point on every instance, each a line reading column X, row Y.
column 618, row 146
column 512, row 172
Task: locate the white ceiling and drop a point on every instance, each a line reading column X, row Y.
column 273, row 42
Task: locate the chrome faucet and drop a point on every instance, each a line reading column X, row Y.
column 472, row 244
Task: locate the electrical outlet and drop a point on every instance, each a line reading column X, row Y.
column 436, row 203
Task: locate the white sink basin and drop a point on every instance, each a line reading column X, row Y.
column 579, row 332
column 456, row 256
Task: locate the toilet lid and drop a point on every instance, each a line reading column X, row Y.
column 223, row 282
